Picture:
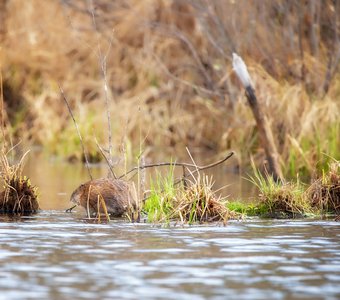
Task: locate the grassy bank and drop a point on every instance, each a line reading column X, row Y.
column 164, row 68
column 189, row 201
column 196, row 202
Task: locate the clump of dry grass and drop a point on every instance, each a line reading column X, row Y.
column 280, row 199
column 18, row 196
column 192, row 202
column 324, row 193
column 133, row 211
column 170, row 60
column 199, row 203
column 290, row 199
column 287, row 200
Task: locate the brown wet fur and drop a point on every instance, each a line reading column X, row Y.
column 116, row 193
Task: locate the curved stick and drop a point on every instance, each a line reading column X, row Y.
column 175, row 164
column 107, row 160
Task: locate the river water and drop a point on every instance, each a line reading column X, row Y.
column 54, row 255
column 58, row 255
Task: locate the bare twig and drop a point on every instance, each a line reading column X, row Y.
column 78, row 131
column 185, row 184
column 214, row 16
column 176, row 164
column 107, row 160
column 186, row 166
column 185, row 82
column 189, row 45
column 102, row 60
column 300, row 8
column 2, row 108
column 194, row 163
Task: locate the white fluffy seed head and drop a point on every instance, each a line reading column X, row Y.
column 241, row 71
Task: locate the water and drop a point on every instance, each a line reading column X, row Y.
column 56, row 255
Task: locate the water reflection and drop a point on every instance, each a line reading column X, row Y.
column 56, row 255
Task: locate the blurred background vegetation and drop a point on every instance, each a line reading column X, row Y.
column 167, row 64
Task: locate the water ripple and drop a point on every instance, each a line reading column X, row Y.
column 55, row 255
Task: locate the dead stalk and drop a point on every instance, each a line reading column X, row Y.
column 77, row 129
column 109, row 163
column 102, row 61
column 265, row 132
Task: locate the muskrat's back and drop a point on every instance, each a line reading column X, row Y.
column 117, row 194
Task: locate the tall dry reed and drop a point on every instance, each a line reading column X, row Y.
column 170, row 61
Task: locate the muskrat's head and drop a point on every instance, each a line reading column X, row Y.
column 76, row 195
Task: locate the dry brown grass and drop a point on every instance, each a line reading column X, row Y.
column 192, row 202
column 324, row 193
column 199, row 203
column 280, row 199
column 18, row 196
column 169, row 75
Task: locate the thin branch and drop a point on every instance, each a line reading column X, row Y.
column 102, row 60
column 107, row 160
column 78, row 131
column 183, row 81
column 214, row 15
column 194, row 163
column 187, row 166
column 176, row 164
column 184, row 39
column 300, row 8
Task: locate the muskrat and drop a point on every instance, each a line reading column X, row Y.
column 117, row 194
